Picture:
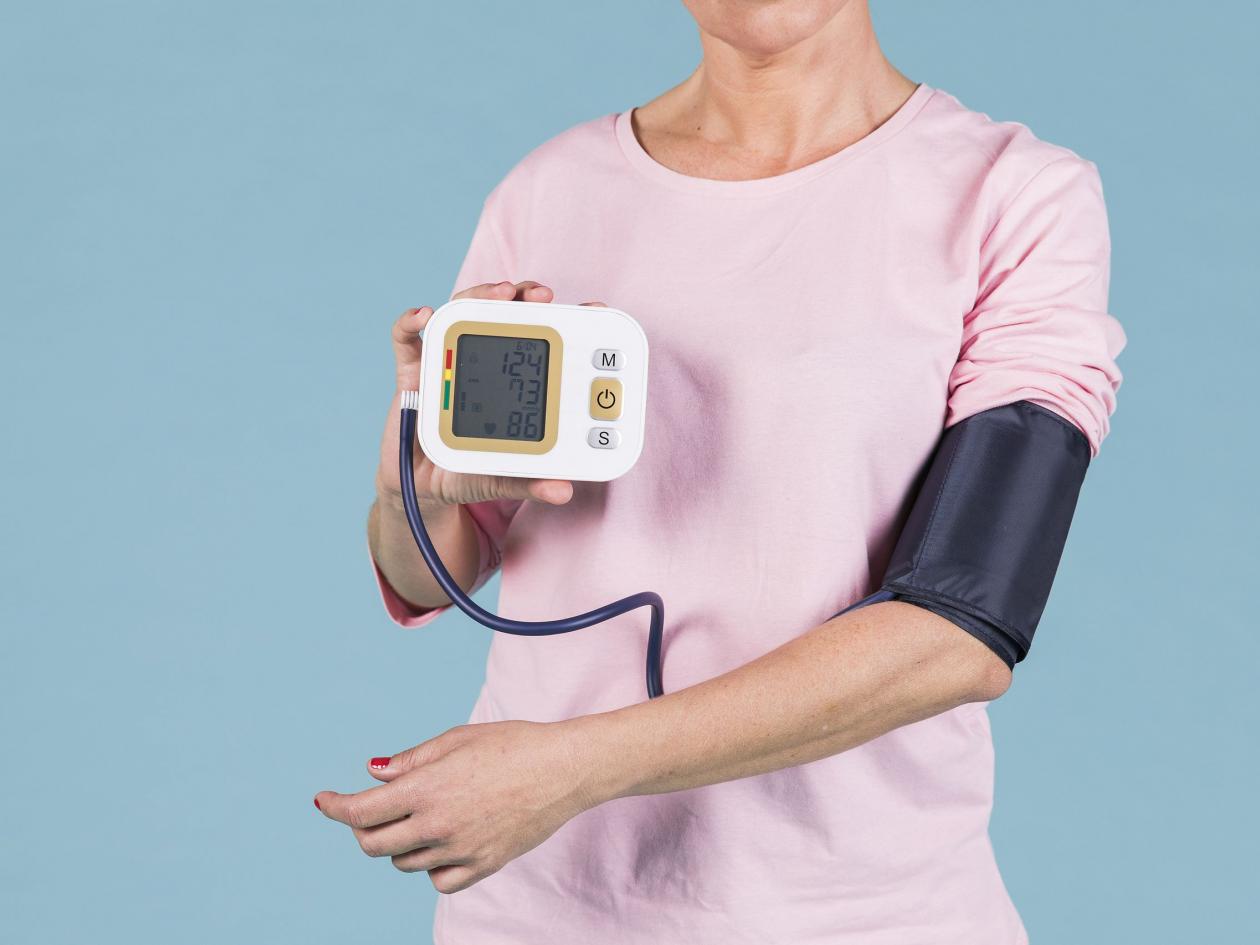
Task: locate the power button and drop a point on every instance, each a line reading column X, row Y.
column 606, row 398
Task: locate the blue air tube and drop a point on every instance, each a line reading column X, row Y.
column 502, row 624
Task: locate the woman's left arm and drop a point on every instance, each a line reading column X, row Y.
column 850, row 680
column 464, row 804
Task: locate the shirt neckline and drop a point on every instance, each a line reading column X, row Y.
column 650, row 167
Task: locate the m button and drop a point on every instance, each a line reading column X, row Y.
column 608, row 359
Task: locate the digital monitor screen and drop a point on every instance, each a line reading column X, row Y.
column 500, row 387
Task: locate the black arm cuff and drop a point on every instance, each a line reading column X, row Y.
column 983, row 539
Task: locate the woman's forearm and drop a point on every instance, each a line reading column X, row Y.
column 394, row 550
column 846, row 682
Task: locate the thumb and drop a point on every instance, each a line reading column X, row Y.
column 387, row 768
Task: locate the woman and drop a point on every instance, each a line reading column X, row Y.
column 832, row 264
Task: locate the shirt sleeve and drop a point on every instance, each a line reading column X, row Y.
column 491, row 520
column 487, row 260
column 1039, row 330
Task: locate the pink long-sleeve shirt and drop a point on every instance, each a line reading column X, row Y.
column 811, row 335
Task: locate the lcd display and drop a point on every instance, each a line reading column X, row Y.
column 500, row 387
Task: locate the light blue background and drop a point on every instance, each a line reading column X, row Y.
column 211, row 213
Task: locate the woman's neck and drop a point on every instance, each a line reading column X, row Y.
column 744, row 115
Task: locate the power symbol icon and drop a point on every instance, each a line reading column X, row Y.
column 606, row 398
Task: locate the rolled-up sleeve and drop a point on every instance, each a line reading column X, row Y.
column 1039, row 330
column 487, row 260
column 491, row 520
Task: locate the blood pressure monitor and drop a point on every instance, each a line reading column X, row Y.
column 533, row 389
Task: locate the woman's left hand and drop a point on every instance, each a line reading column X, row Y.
column 462, row 805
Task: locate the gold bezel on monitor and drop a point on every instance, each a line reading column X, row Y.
column 551, row 421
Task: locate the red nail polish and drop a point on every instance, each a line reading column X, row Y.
column 317, row 807
column 379, row 762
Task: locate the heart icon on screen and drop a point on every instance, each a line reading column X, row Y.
column 490, row 427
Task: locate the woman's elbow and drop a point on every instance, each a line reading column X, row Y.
column 989, row 675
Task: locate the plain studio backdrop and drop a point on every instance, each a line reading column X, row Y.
column 211, row 213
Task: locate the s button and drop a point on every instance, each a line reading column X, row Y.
column 604, row 438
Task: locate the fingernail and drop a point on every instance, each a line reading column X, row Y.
column 317, row 807
column 379, row 762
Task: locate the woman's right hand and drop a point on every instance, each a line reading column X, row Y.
column 434, row 486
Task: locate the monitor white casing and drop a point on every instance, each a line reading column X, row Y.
column 583, row 330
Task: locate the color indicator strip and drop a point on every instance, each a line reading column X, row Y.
column 446, row 380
